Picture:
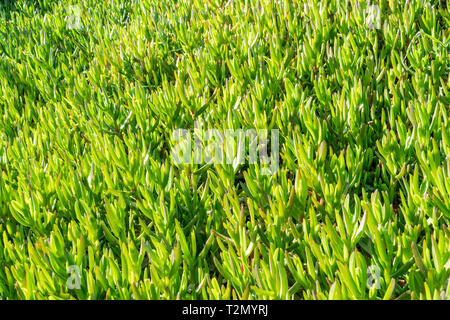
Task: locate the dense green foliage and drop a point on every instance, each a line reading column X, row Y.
column 87, row 179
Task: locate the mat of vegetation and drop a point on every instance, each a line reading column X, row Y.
column 92, row 205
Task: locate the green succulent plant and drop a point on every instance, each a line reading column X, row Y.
column 93, row 206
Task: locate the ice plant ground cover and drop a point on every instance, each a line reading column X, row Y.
column 92, row 205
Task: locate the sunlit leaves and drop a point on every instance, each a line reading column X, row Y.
column 359, row 206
